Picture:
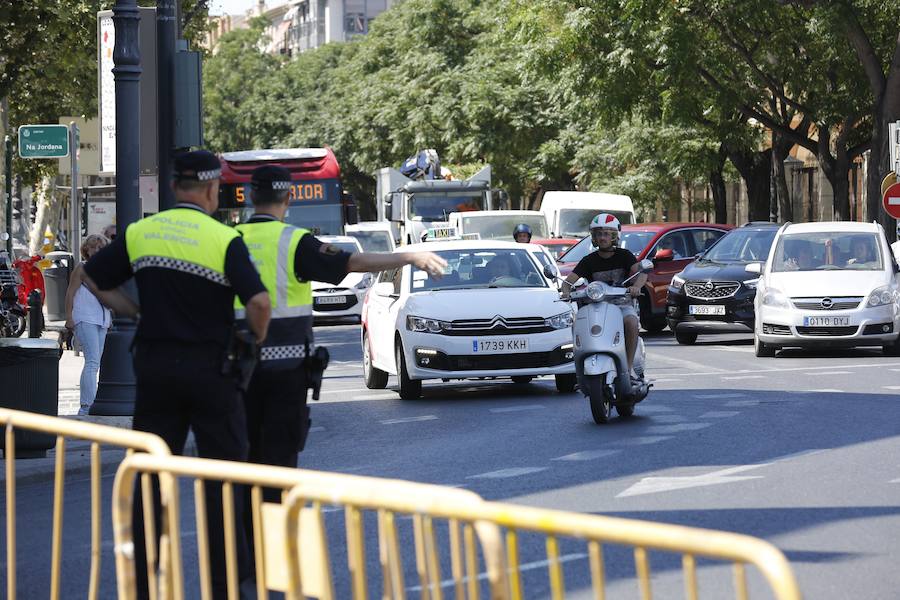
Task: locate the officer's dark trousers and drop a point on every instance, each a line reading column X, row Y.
column 180, row 387
column 277, row 425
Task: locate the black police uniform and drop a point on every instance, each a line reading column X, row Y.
column 276, row 400
column 187, row 312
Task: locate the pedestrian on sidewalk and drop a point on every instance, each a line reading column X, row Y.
column 188, row 268
column 88, row 320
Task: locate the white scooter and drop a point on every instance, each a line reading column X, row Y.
column 601, row 362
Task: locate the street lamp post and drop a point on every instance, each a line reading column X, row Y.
column 115, row 392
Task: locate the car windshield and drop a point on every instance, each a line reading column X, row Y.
column 436, row 206
column 373, row 241
column 634, row 241
column 576, row 222
column 741, row 246
column 500, row 226
column 481, row 268
column 828, row 251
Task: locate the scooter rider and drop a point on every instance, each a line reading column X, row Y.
column 522, row 233
column 612, row 265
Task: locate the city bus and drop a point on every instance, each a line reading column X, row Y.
column 318, row 202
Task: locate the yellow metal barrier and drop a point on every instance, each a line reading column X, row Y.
column 643, row 536
column 295, row 558
column 65, row 429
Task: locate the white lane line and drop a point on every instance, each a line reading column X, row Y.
column 376, row 396
column 892, row 387
column 346, row 391
column 409, row 420
column 587, row 455
column 666, row 380
column 669, row 419
column 507, row 409
column 718, row 396
column 895, row 370
column 830, row 373
column 677, row 428
column 689, row 364
column 742, row 403
column 744, row 377
column 643, row 440
column 826, row 391
column 733, row 349
column 540, row 564
column 719, row 414
column 315, row 429
column 505, row 473
column 795, row 369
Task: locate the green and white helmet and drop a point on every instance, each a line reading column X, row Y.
column 606, row 221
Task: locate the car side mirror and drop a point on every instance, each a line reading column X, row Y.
column 549, row 273
column 754, row 267
column 664, row 254
column 383, row 288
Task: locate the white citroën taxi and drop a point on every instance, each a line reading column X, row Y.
column 493, row 314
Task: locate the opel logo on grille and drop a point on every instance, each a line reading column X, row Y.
column 709, row 286
column 827, row 303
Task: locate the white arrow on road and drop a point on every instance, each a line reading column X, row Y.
column 652, row 485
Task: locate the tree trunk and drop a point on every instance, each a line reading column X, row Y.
column 755, row 169
column 782, row 149
column 48, row 207
column 879, row 166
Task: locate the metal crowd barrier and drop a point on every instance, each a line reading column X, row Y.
column 296, row 559
column 65, row 429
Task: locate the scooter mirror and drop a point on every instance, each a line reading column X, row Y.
column 646, row 265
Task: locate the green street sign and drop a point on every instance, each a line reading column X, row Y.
column 43, row 141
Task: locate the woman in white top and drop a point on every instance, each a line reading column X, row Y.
column 89, row 320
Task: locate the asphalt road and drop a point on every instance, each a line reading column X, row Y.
column 799, row 450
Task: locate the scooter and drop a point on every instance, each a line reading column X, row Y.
column 12, row 311
column 601, row 362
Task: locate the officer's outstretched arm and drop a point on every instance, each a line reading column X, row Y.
column 116, row 299
column 366, row 262
column 259, row 310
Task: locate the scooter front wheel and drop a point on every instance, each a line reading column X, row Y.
column 600, row 396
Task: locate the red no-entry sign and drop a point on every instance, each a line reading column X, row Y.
column 891, row 200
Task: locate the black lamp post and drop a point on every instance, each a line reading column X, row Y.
column 115, row 392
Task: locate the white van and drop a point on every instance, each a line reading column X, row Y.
column 374, row 236
column 569, row 214
column 498, row 224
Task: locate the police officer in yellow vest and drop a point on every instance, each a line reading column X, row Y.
column 188, row 268
column 288, row 258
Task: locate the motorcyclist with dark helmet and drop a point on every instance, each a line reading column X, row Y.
column 522, row 233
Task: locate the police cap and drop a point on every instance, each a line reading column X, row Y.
column 199, row 165
column 268, row 182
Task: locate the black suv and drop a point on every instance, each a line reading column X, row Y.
column 714, row 294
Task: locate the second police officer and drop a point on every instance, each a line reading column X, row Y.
column 288, row 259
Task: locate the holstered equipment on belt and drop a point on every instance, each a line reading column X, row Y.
column 315, row 363
column 241, row 356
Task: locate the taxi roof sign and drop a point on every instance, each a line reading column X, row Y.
column 440, row 234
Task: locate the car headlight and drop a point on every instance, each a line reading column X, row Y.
column 365, row 282
column 775, row 299
column 560, row 321
column 751, row 283
column 424, row 325
column 596, row 290
column 677, row 282
column 881, row 296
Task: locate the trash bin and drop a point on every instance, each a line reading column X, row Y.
column 56, row 282
column 29, row 370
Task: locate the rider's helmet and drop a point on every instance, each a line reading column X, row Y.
column 606, row 221
column 522, row 228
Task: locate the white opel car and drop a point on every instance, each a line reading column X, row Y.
column 492, row 314
column 827, row 284
column 346, row 298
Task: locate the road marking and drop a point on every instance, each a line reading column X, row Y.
column 734, row 349
column 409, row 420
column 745, row 377
column 825, row 391
column 892, row 387
column 795, row 369
column 715, row 414
column 669, row 419
column 831, row 373
column 643, row 440
column 540, row 564
column 742, row 403
column 680, row 361
column 654, row 408
column 347, row 391
column 316, row 429
column 507, row 409
column 718, row 396
column 587, row 455
column 678, row 427
column 376, row 396
column 511, row 472
column 652, row 485
column 665, row 380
